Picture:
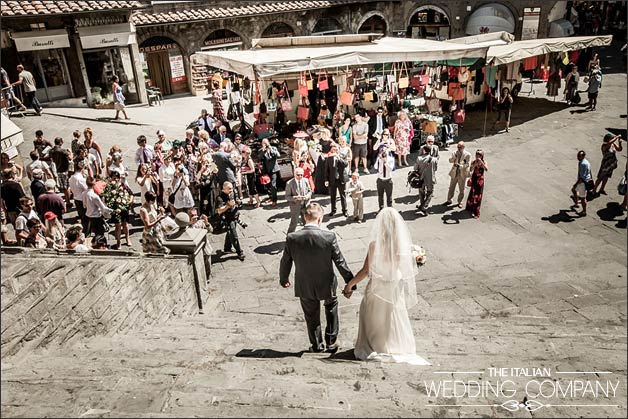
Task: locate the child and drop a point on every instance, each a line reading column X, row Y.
column 355, row 189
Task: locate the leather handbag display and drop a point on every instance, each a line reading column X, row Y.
column 433, row 103
column 286, row 104
column 323, row 83
column 459, row 116
column 262, row 130
column 303, row 90
column 303, row 112
column 404, row 80
column 346, row 98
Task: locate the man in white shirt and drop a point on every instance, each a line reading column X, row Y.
column 78, row 186
column 145, row 152
column 298, row 194
column 385, row 165
column 95, row 209
column 38, row 164
column 28, row 213
column 27, row 80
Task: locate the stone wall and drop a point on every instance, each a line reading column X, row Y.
column 57, row 297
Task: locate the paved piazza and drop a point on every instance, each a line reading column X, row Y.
column 529, row 287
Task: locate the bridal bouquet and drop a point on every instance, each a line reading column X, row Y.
column 419, row 254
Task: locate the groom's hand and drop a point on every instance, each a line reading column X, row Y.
column 286, row 285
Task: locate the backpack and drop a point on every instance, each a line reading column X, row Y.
column 415, row 180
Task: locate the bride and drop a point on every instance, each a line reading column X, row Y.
column 385, row 332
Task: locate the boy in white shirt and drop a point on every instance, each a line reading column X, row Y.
column 355, row 188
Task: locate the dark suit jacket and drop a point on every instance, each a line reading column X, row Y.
column 269, row 160
column 226, row 168
column 313, row 250
column 335, row 170
column 217, row 137
column 373, row 123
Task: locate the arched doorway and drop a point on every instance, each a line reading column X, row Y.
column 493, row 17
column 163, row 65
column 429, row 22
column 222, row 40
column 327, row 26
column 278, row 30
column 374, row 24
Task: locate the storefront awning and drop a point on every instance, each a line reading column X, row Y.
column 11, row 136
column 38, row 40
column 271, row 61
column 519, row 50
column 118, row 35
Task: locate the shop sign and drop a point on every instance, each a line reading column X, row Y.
column 177, row 69
column 157, row 48
column 107, row 40
column 230, row 40
column 530, row 26
column 38, row 40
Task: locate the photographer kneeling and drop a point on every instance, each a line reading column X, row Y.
column 228, row 209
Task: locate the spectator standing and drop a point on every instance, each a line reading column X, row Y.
column 183, row 199
column 205, row 122
column 478, row 167
column 248, row 170
column 227, row 208
column 50, row 201
column 384, row 165
column 459, row 173
column 404, row 132
column 38, row 187
column 426, row 167
column 298, row 194
column 610, row 147
column 11, row 192
column 145, row 152
column 95, row 209
column 26, row 214
column 117, row 197
column 26, row 79
column 7, row 163
column 571, row 84
column 153, row 235
column 360, row 133
column 355, row 189
column 146, row 179
column 268, row 156
column 62, row 158
column 595, row 82
column 37, row 164
column 54, row 230
column 42, row 145
column 78, row 187
column 94, row 149
column 505, row 107
column 335, row 180
column 377, row 125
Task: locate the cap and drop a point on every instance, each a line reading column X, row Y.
column 176, row 143
column 38, row 172
column 49, row 215
column 50, row 184
column 161, row 132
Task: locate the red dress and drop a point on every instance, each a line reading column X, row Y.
column 307, row 173
column 477, row 189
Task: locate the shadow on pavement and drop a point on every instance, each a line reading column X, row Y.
column 562, row 216
column 270, row 249
column 455, row 217
column 267, row 353
column 611, row 212
column 343, row 356
column 99, row 119
column 618, row 131
column 279, row 216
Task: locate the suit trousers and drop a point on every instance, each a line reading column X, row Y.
column 460, row 181
column 358, row 207
column 80, row 209
column 425, row 196
column 273, row 186
column 335, row 188
column 231, row 239
column 296, row 212
column 384, row 186
column 312, row 312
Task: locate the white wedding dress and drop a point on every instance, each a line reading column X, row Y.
column 385, row 333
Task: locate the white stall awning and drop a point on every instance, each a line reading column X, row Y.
column 519, row 50
column 11, row 136
column 271, row 61
column 117, row 35
column 485, row 39
column 38, row 40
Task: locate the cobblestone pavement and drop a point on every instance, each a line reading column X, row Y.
column 529, row 284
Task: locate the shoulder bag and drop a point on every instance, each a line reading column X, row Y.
column 323, row 83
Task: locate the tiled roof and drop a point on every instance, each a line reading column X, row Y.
column 209, row 13
column 54, row 7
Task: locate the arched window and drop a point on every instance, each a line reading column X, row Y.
column 278, row 30
column 493, row 17
column 374, row 24
column 327, row 26
column 429, row 22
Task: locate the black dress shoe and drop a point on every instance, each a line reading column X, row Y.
column 315, row 350
column 332, row 349
column 331, row 214
column 345, row 213
column 241, row 256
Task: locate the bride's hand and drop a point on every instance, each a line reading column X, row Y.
column 347, row 291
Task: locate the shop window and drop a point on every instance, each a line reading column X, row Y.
column 52, row 65
column 327, row 26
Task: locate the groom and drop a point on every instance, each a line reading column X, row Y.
column 313, row 250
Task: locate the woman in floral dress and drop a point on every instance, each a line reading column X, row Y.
column 403, row 137
column 478, row 167
column 152, row 236
column 219, row 112
column 117, row 197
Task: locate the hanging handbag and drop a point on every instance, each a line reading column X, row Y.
column 303, row 112
column 323, row 84
column 264, row 179
column 368, row 96
column 346, row 97
column 303, row 90
column 415, row 81
column 432, row 103
column 262, row 130
column 282, row 91
column 403, row 79
column 310, row 82
column 248, row 107
column 286, row 104
column 459, row 116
